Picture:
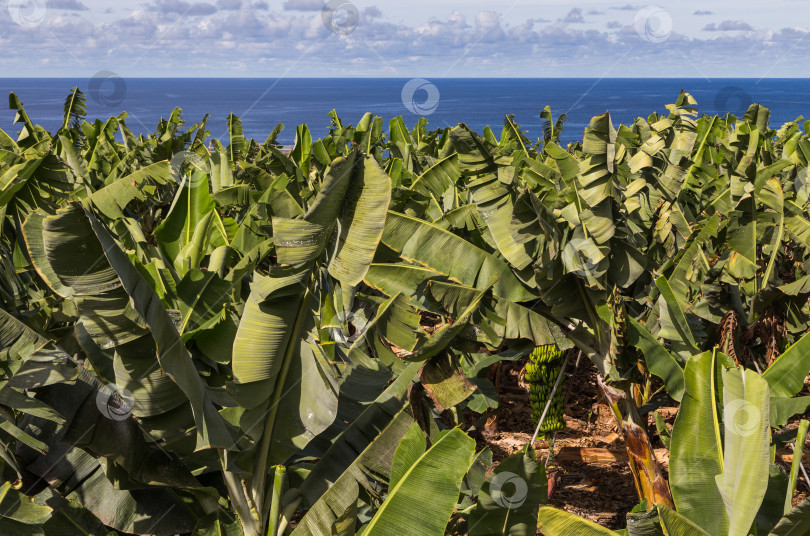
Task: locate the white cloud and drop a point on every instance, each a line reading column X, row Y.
column 372, row 12
column 728, row 26
column 488, row 26
column 196, row 38
column 229, row 5
column 303, row 5
column 574, row 16
column 67, row 5
column 185, row 8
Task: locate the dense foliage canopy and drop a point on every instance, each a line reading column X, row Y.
column 206, row 338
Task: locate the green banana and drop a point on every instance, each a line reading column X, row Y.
column 541, row 373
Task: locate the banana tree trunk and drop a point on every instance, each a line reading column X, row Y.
column 647, row 475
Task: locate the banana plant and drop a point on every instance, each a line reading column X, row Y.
column 722, row 472
column 182, row 309
column 253, row 316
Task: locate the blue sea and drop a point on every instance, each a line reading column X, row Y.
column 262, row 103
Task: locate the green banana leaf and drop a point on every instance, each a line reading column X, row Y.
column 115, row 197
column 427, row 290
column 509, row 499
column 776, row 494
column 68, row 516
column 439, row 178
column 786, row 374
column 332, row 512
column 431, row 487
column 659, row 361
column 32, row 229
column 409, row 450
column 16, row 506
column 218, row 524
column 280, row 309
column 438, row 249
column 203, row 296
column 746, row 451
column 674, row 524
column 13, row 179
column 674, row 326
column 308, row 404
column 193, row 226
column 795, row 523
column 119, row 309
column 442, row 338
column 494, row 201
column 554, row 522
column 361, row 226
column 696, row 447
column 678, row 279
column 364, row 427
column 643, row 522
column 75, row 455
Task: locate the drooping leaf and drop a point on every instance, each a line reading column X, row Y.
column 509, row 499
column 696, row 454
column 746, row 447
column 674, row 524
column 431, row 487
column 436, row 248
column 554, row 522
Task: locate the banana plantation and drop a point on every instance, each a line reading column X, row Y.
column 229, row 337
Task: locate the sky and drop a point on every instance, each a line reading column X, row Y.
column 404, row 39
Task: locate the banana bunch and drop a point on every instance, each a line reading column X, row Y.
column 541, row 373
column 622, row 356
column 618, row 325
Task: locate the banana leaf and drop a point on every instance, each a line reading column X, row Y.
column 674, row 524
column 696, row 448
column 795, row 522
column 328, row 514
column 430, row 486
column 509, row 499
column 430, row 245
column 746, row 447
column 554, row 522
column 118, row 308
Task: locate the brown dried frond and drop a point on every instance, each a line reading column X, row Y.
column 772, row 330
column 727, row 332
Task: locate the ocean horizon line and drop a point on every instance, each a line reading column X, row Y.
column 478, row 102
column 758, row 79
